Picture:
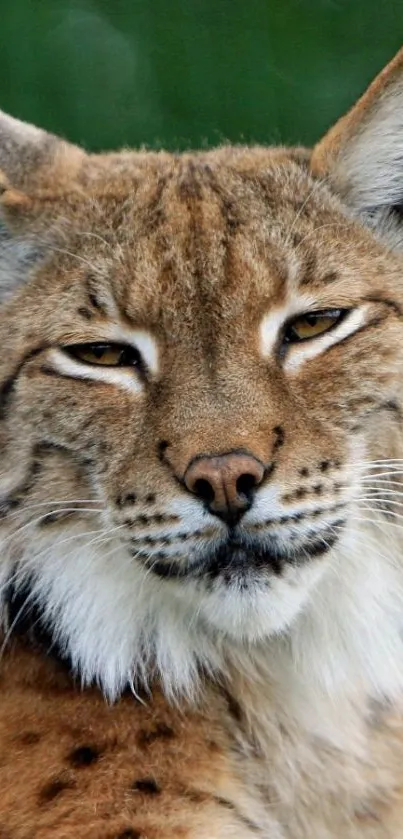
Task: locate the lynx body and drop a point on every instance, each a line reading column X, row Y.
column 201, row 407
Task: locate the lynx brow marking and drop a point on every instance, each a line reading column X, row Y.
column 93, row 298
column 384, row 301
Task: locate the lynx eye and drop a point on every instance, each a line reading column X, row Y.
column 106, row 355
column 311, row 324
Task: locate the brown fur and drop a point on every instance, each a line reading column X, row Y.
column 73, row 766
column 194, row 249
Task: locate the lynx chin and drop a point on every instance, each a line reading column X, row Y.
column 201, row 486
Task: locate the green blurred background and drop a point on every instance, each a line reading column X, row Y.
column 180, row 73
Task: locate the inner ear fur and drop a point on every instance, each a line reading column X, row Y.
column 362, row 155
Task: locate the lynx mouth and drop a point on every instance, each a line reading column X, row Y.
column 241, row 557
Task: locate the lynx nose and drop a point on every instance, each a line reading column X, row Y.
column 227, row 483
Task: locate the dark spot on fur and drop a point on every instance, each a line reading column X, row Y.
column 49, row 371
column 129, row 834
column 85, row 313
column 324, row 465
column 150, row 498
column 233, row 707
column 279, row 437
column 161, row 449
column 213, row 746
column 94, row 301
column 318, row 489
column 197, row 796
column 160, row 731
column 304, row 472
column 29, row 738
column 270, row 469
column 229, row 805
column 300, row 493
column 84, row 756
column 329, row 278
column 146, row 785
column 54, row 788
column 129, row 498
column 91, row 290
column 393, row 406
column 223, row 802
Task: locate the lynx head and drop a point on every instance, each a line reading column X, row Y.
column 201, row 366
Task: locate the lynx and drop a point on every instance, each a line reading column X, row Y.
column 201, row 435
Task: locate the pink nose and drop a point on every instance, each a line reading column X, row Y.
column 226, row 483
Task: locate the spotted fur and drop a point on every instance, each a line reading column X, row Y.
column 264, row 644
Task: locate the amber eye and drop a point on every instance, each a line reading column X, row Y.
column 106, row 355
column 312, row 324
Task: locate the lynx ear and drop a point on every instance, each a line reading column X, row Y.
column 362, row 155
column 33, row 163
column 32, row 159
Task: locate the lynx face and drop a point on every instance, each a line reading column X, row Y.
column 201, row 357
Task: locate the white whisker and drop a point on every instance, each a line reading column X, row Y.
column 36, row 521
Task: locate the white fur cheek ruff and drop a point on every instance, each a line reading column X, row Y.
column 117, row 621
column 114, row 619
column 329, row 627
column 348, row 643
